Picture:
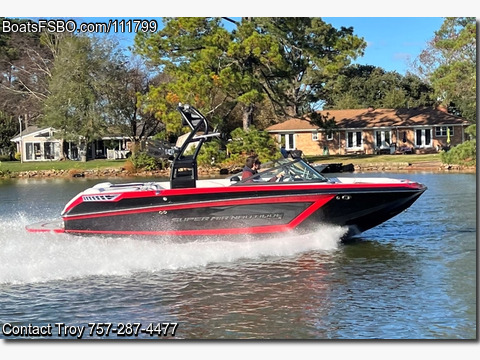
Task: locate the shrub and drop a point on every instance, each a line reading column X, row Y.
column 463, row 154
column 255, row 142
column 5, row 173
column 129, row 167
column 143, row 161
column 211, row 153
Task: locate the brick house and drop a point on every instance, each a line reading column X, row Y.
column 373, row 131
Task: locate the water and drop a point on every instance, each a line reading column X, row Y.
column 413, row 277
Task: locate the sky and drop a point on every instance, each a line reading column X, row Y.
column 392, row 42
column 395, row 34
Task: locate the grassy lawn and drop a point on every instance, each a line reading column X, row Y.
column 371, row 159
column 17, row 166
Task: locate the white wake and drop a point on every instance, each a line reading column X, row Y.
column 40, row 257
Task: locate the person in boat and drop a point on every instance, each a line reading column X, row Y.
column 252, row 164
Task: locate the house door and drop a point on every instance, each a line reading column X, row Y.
column 354, row 140
column 423, row 138
column 382, row 139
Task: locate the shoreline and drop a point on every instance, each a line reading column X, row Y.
column 431, row 167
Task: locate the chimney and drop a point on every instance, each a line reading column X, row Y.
column 370, row 108
column 442, row 108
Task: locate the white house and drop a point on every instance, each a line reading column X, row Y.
column 37, row 144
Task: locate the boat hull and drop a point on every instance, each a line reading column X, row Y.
column 289, row 195
column 269, row 209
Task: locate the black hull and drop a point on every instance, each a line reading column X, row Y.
column 240, row 211
column 367, row 211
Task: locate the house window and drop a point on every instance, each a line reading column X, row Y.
column 48, row 150
column 288, row 140
column 37, row 151
column 442, row 131
column 315, row 136
column 51, row 150
column 423, row 138
column 28, row 151
column 354, row 139
column 382, row 139
column 33, row 151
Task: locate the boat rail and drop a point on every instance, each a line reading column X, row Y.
column 184, row 171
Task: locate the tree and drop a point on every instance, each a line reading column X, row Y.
column 74, row 107
column 25, row 63
column 284, row 60
column 125, row 81
column 449, row 65
column 94, row 91
column 8, row 128
column 361, row 86
column 188, row 53
column 311, row 53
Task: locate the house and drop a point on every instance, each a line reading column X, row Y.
column 36, row 144
column 374, row 131
column 40, row 144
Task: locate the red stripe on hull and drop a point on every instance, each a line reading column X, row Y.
column 273, row 200
column 265, row 229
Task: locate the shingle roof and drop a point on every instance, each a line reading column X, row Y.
column 372, row 118
column 32, row 129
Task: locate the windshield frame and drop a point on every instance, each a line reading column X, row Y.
column 284, row 171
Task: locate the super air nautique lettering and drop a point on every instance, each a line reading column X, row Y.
column 100, row 197
column 272, row 216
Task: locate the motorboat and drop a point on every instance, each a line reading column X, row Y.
column 288, row 195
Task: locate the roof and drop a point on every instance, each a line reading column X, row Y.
column 35, row 131
column 46, row 131
column 375, row 118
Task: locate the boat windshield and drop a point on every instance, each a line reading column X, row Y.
column 285, row 170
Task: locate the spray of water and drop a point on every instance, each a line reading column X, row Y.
column 40, row 257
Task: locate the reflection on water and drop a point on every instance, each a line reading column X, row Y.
column 410, row 278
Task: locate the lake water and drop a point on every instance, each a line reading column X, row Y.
column 414, row 277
